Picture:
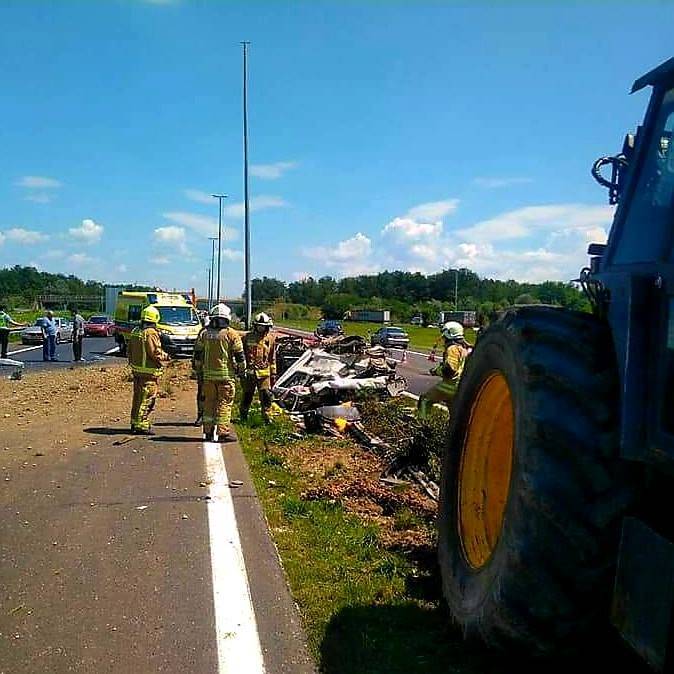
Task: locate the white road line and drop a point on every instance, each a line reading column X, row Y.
column 29, row 348
column 239, row 650
column 114, row 349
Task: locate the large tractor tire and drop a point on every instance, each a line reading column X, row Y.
column 532, row 489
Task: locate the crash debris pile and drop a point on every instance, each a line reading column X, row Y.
column 325, row 382
column 325, row 385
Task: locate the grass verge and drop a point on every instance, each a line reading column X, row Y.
column 364, row 578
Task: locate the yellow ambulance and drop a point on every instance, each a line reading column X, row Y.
column 178, row 326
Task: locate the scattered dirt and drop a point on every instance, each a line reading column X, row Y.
column 344, row 472
column 63, row 410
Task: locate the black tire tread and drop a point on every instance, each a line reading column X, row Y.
column 576, row 497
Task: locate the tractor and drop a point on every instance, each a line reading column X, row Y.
column 559, row 464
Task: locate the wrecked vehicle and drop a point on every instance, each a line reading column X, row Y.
column 337, row 371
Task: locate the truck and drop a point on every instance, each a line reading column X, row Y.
column 467, row 318
column 368, row 315
column 178, row 326
column 555, row 498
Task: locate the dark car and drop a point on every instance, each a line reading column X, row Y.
column 329, row 328
column 390, row 338
column 99, row 326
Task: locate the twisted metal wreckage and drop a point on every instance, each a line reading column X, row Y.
column 320, row 385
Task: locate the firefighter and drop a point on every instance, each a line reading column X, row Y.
column 220, row 351
column 146, row 358
column 259, row 346
column 454, row 357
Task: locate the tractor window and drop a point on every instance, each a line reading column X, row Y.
column 648, row 226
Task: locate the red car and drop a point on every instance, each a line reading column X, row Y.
column 99, row 326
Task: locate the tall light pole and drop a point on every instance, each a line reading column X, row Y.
column 212, row 239
column 246, row 222
column 220, row 198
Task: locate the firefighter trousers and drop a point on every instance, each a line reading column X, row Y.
column 249, row 385
column 443, row 392
column 145, row 391
column 218, row 400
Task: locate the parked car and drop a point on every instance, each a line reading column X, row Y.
column 329, row 328
column 99, row 326
column 417, row 320
column 390, row 338
column 33, row 334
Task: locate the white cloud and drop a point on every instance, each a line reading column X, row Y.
column 122, row 268
column 2, row 238
column 301, row 276
column 494, row 183
column 261, row 203
column 408, row 228
column 80, row 259
column 231, row 254
column 53, row 254
column 89, row 231
column 171, row 236
column 534, row 243
column 202, row 224
column 162, row 260
column 523, row 222
column 230, row 210
column 433, row 211
column 38, row 198
column 38, row 182
column 271, row 171
column 351, row 256
column 25, row 237
column 200, row 197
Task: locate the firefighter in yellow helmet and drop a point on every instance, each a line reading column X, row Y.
column 220, row 352
column 454, row 357
column 260, row 349
column 146, row 358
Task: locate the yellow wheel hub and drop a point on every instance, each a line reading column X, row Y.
column 484, row 473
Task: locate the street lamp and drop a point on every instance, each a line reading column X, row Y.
column 211, row 276
column 220, row 198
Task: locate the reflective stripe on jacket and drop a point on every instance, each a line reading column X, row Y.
column 260, row 354
column 4, row 320
column 145, row 353
column 453, row 361
column 219, row 349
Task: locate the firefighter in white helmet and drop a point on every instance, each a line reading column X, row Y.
column 454, row 357
column 260, row 348
column 219, row 351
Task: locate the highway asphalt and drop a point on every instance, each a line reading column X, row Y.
column 128, row 555
column 94, row 350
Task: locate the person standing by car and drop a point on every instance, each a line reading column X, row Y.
column 6, row 323
column 78, row 335
column 49, row 330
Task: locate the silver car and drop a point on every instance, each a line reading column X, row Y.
column 33, row 335
column 390, row 338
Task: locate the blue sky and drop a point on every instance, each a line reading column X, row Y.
column 383, row 134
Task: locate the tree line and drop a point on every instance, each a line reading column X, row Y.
column 408, row 294
column 20, row 286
